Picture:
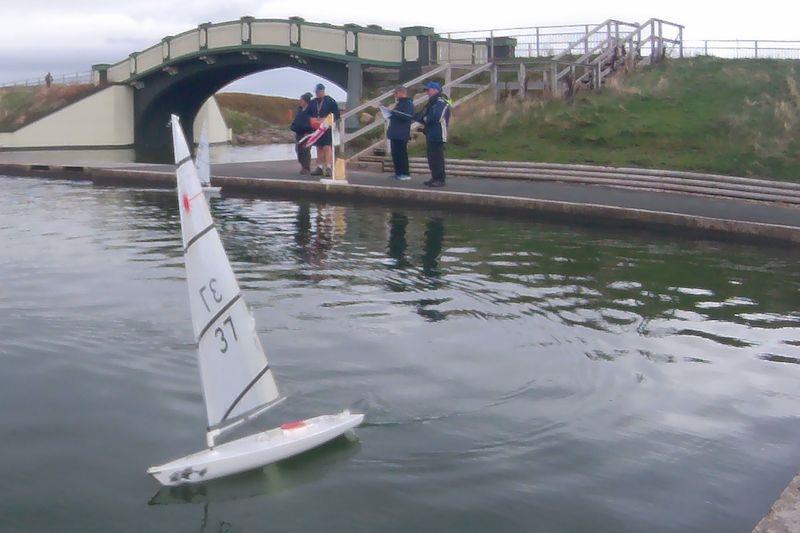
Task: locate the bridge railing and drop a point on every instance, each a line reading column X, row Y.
column 77, row 78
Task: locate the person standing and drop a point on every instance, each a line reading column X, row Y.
column 435, row 119
column 399, row 132
column 319, row 108
column 301, row 126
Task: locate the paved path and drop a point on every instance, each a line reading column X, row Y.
column 685, row 204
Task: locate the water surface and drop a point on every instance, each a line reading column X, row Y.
column 514, row 375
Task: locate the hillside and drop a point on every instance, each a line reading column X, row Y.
column 739, row 117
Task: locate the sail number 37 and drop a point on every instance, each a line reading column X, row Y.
column 219, row 333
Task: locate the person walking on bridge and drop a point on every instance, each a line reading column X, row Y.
column 399, row 132
column 301, row 126
column 319, row 108
column 435, row 119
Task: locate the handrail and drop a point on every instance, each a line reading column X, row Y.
column 345, row 137
column 387, row 94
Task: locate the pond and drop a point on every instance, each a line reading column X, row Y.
column 514, row 375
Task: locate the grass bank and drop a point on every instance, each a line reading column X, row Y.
column 250, row 112
column 739, row 117
column 19, row 106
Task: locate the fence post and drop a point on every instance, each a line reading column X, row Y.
column 342, row 140
column 705, row 46
column 756, row 48
column 554, row 78
column 491, row 45
column 523, row 89
column 680, row 41
column 538, row 53
column 449, row 47
column 586, row 38
column 495, row 92
column 448, row 74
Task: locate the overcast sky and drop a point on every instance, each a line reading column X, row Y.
column 65, row 36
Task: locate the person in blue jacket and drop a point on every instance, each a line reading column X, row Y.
column 301, row 126
column 319, row 108
column 435, row 119
column 399, row 132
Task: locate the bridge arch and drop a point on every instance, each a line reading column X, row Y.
column 185, row 91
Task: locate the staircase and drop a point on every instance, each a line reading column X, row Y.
column 461, row 78
column 583, row 64
column 588, row 61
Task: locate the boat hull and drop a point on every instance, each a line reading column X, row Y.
column 256, row 450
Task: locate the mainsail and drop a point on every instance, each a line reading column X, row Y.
column 203, row 161
column 236, row 378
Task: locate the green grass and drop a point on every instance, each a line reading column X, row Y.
column 738, row 117
column 241, row 122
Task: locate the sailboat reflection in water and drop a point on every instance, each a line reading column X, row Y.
column 238, row 383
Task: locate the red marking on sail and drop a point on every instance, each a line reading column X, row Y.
column 294, row 425
column 186, row 205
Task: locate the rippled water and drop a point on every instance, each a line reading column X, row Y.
column 515, row 376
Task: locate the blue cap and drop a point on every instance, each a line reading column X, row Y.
column 434, row 85
column 320, row 87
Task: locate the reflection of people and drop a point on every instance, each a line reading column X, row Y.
column 396, row 248
column 301, row 126
column 319, row 108
column 48, row 80
column 435, row 118
column 399, row 132
column 432, row 249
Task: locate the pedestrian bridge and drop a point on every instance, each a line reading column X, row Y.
column 182, row 71
column 408, row 48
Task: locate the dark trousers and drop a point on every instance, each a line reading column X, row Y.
column 436, row 160
column 400, row 157
column 303, row 154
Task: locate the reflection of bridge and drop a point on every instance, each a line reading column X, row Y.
column 178, row 74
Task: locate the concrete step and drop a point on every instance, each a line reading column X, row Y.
column 631, row 178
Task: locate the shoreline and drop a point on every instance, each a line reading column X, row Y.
column 664, row 212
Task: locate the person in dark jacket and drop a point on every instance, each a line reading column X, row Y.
column 399, row 132
column 319, row 108
column 301, row 126
column 435, row 119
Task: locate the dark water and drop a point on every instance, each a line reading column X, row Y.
column 515, row 376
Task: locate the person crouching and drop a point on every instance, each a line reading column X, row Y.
column 435, row 119
column 301, row 126
column 319, row 108
column 399, row 132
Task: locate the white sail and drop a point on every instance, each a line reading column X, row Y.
column 202, row 159
column 236, row 378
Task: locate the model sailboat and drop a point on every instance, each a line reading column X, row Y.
column 237, row 381
column 203, row 162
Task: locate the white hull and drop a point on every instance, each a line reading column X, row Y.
column 256, row 450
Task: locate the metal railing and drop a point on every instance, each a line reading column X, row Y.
column 743, row 48
column 443, row 71
column 77, row 78
column 530, row 41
